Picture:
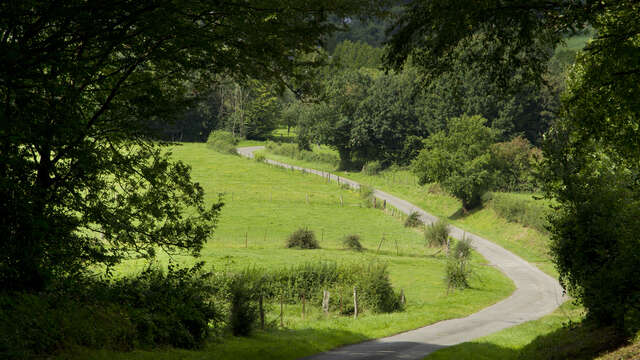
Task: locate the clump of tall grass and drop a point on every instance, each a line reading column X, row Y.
column 437, row 233
column 413, row 220
column 457, row 270
column 352, row 242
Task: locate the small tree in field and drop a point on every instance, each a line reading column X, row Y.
column 459, row 159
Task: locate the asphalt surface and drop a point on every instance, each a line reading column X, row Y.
column 537, row 294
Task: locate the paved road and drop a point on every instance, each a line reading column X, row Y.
column 536, row 295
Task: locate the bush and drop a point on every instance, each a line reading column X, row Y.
column 243, row 312
column 413, row 220
column 515, row 161
column 372, row 168
column 155, row 308
column 437, row 233
column 352, row 242
column 462, row 250
column 303, row 239
column 223, row 141
column 529, row 213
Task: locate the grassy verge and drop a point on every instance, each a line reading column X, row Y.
column 264, row 204
column 527, row 243
column 565, row 336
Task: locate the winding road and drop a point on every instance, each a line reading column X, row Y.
column 537, row 294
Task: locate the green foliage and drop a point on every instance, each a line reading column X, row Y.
column 356, row 55
column 243, row 312
column 302, row 239
column 366, row 194
column 459, row 159
column 155, row 308
column 413, row 220
column 458, row 270
column 437, row 233
column 223, row 141
column 515, row 162
column 372, row 168
column 352, row 242
column 529, row 213
column 82, row 182
column 293, row 151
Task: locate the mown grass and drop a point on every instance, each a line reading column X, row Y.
column 526, row 242
column 264, row 204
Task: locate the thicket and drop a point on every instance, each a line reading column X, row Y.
column 223, row 141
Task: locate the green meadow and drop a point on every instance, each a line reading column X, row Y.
column 263, row 205
column 525, row 242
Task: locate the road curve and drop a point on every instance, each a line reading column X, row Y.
column 536, row 295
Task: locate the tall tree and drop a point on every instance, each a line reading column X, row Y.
column 80, row 181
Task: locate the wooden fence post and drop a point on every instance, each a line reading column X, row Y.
column 355, row 303
column 325, row 301
column 303, row 303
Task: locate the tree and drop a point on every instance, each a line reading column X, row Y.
column 458, row 158
column 592, row 152
column 81, row 183
column 385, row 119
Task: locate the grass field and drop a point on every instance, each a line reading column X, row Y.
column 263, row 205
column 527, row 243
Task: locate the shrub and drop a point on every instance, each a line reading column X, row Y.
column 303, row 239
column 462, row 250
column 154, row 308
column 376, row 291
column 413, row 220
column 168, row 308
column 223, row 141
column 515, row 161
column 352, row 242
column 243, row 312
column 372, row 168
column 437, row 233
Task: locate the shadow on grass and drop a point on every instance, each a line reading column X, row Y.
column 580, row 342
column 461, row 213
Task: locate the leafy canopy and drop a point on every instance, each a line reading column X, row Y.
column 80, row 82
column 459, row 159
